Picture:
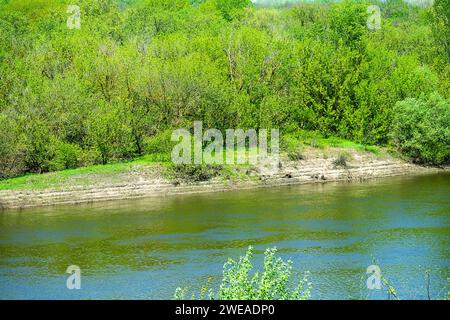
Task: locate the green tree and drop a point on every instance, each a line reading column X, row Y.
column 110, row 133
column 420, row 129
column 230, row 8
column 441, row 24
column 348, row 23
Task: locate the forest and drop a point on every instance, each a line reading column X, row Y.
column 114, row 89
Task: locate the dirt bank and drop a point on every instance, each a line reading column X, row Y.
column 318, row 167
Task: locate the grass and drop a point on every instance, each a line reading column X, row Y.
column 311, row 139
column 80, row 176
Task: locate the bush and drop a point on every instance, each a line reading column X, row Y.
column 292, row 145
column 38, row 146
column 159, row 146
column 229, row 8
column 12, row 148
column 420, row 129
column 66, row 156
column 348, row 22
column 295, row 155
column 341, row 160
column 273, row 283
column 193, row 173
column 110, row 133
column 89, row 157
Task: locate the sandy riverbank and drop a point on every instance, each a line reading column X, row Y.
column 316, row 168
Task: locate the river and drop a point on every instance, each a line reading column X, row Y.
column 144, row 249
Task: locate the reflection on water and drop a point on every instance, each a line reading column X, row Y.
column 146, row 248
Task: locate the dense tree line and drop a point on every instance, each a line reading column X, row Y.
column 137, row 69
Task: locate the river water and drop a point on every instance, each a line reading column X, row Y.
column 144, row 249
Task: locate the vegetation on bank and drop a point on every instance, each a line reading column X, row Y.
column 85, row 176
column 114, row 89
column 158, row 165
column 241, row 282
column 421, row 128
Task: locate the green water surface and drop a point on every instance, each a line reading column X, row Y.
column 146, row 248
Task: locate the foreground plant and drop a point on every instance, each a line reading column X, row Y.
column 273, row 283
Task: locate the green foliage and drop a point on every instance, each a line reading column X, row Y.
column 66, row 156
column 348, row 23
column 441, row 24
column 292, row 145
column 229, row 8
column 38, row 150
column 113, row 89
column 159, row 145
column 272, row 283
column 12, row 148
column 420, row 129
column 111, row 134
column 395, row 9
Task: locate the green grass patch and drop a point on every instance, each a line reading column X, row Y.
column 73, row 177
column 298, row 140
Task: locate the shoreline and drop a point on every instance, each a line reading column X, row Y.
column 319, row 170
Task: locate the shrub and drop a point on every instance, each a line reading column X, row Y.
column 90, row 157
column 295, row 155
column 420, row 129
column 38, row 146
column 341, row 160
column 348, row 22
column 273, row 283
column 111, row 134
column 159, row 146
column 193, row 173
column 292, row 145
column 12, row 148
column 229, row 8
column 66, row 156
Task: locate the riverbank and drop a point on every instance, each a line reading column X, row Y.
column 141, row 180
